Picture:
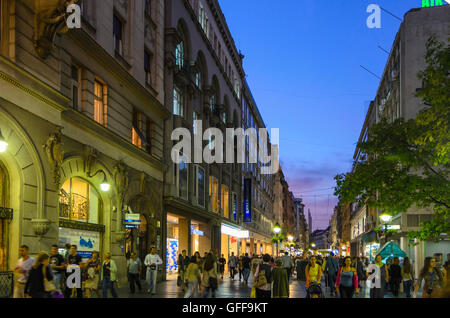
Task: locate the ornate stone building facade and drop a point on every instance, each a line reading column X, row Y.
column 82, row 111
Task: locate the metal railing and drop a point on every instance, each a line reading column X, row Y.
column 6, row 284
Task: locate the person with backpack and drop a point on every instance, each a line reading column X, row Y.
column 433, row 280
column 40, row 277
column 407, row 272
column 209, row 277
column 332, row 268
column 193, row 277
column 347, row 280
column 280, row 279
column 262, row 279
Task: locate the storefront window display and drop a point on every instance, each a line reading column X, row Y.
column 200, row 236
column 177, row 241
column 371, row 251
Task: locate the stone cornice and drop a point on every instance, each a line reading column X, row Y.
column 24, row 80
column 85, row 123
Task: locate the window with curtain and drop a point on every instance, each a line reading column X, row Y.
column 79, row 201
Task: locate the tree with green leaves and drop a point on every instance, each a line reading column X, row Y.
column 407, row 162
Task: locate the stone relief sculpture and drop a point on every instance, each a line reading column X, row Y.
column 55, row 154
column 50, row 18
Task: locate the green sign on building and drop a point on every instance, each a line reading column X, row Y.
column 432, row 3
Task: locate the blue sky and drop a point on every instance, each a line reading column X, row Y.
column 302, row 59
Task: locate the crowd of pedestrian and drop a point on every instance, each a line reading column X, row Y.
column 65, row 275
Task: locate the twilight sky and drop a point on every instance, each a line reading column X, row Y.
column 302, row 59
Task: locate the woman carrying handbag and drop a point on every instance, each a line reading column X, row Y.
column 40, row 281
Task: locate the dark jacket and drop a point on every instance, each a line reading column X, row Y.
column 35, row 284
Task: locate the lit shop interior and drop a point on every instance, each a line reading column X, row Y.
column 231, row 238
column 178, row 228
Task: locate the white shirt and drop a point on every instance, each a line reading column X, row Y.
column 25, row 266
column 152, row 259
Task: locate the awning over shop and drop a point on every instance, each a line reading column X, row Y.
column 369, row 237
column 391, row 249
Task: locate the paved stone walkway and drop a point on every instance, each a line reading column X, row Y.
column 228, row 289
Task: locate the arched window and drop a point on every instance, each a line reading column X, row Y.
column 212, row 102
column 79, row 201
column 179, row 55
column 198, row 80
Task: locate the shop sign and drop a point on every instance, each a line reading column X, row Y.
column 196, row 232
column 234, row 232
column 132, row 221
column 247, row 200
column 86, row 241
column 393, row 227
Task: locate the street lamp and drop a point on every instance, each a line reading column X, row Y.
column 277, row 230
column 3, row 143
column 385, row 218
column 104, row 186
column 290, row 238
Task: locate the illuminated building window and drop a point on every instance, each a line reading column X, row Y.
column 79, row 201
column 224, row 203
column 100, row 103
column 214, row 194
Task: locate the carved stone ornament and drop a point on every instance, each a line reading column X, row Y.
column 121, row 179
column 40, row 226
column 50, row 18
column 89, row 157
column 55, row 154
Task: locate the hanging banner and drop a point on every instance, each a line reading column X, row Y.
column 86, row 241
column 247, row 200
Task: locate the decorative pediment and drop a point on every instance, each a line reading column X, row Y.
column 50, row 18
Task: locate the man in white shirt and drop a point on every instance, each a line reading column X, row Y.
column 152, row 261
column 23, row 266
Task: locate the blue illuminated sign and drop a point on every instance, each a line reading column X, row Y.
column 247, row 200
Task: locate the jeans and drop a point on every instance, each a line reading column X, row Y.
column 151, row 280
column 134, row 278
column 407, row 288
column 206, row 293
column 331, row 282
column 107, row 283
column 57, row 281
column 232, row 269
column 192, row 290
column 246, row 273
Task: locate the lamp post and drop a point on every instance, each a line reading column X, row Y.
column 277, row 230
